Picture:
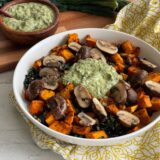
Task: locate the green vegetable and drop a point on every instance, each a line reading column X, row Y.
column 113, row 127
column 32, row 75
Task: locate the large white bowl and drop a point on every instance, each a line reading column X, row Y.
column 42, row 48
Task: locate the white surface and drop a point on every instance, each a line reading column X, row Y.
column 43, row 47
column 15, row 139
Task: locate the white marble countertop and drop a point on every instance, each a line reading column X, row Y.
column 15, row 139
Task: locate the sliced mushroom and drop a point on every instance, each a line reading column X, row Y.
column 34, row 89
column 106, row 47
column 127, row 85
column 50, row 82
column 53, row 61
column 83, row 96
column 46, row 72
column 127, row 119
column 83, row 53
column 145, row 64
column 74, row 46
column 119, row 93
column 58, row 106
column 153, row 87
column 131, row 96
column 86, row 120
column 97, row 54
column 138, row 78
column 98, row 108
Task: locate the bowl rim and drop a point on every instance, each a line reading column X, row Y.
column 41, row 31
column 72, row 138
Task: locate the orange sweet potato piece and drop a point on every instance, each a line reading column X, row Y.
column 117, row 58
column 36, row 107
column 57, row 50
column 140, row 93
column 154, row 76
column 61, row 127
column 142, row 114
column 155, row 103
column 136, row 51
column 70, row 107
column 127, row 47
column 125, row 76
column 49, row 119
column 133, row 70
column 76, row 119
column 144, row 102
column 112, row 108
column 37, row 64
column 69, row 118
column 67, row 54
column 46, row 94
column 81, row 130
column 91, row 42
column 132, row 109
column 97, row 134
column 122, row 107
column 73, row 38
column 65, row 93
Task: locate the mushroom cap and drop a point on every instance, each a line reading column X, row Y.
column 58, row 106
column 74, row 46
column 127, row 118
column 83, row 96
column 53, row 61
column 34, row 89
column 106, row 47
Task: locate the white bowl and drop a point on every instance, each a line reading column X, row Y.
column 42, row 48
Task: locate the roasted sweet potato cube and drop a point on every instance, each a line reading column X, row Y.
column 132, row 109
column 73, row 38
column 36, row 107
column 61, row 127
column 46, row 94
column 144, row 102
column 81, row 130
column 133, row 70
column 155, row 103
column 67, row 54
column 69, row 118
column 112, row 108
column 154, row 76
column 37, row 64
column 97, row 134
column 127, row 47
column 91, row 42
column 142, row 114
column 49, row 119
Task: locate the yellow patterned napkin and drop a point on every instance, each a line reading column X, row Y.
column 141, row 19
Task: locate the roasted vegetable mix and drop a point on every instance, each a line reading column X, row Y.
column 93, row 88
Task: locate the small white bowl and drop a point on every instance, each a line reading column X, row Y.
column 43, row 47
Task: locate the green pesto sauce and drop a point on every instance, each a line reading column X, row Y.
column 98, row 77
column 29, row 17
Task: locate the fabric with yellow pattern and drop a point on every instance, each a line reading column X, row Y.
column 142, row 19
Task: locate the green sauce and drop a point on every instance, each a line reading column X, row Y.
column 98, row 77
column 29, row 17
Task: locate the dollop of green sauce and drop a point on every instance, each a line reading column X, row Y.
column 29, row 17
column 95, row 75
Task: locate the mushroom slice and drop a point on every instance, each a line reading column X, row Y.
column 106, row 47
column 145, row 64
column 86, row 120
column 138, row 78
column 97, row 54
column 98, row 107
column 74, row 46
column 127, row 118
column 53, row 61
column 131, row 96
column 50, row 82
column 153, row 87
column 119, row 93
column 58, row 106
column 83, row 53
column 83, row 96
column 46, row 72
column 34, row 89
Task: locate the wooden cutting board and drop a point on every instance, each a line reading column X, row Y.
column 11, row 53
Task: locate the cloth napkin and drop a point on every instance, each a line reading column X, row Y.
column 142, row 19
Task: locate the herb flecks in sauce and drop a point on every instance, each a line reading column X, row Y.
column 29, row 17
column 98, row 77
